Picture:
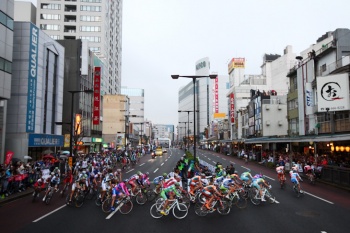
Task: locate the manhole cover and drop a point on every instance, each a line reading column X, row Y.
column 308, row 213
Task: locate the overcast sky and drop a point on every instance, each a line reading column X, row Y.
column 164, row 37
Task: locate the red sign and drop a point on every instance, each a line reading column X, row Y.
column 232, row 108
column 216, row 94
column 9, row 155
column 97, row 95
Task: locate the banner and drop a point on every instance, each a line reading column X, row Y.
column 9, row 155
column 309, row 102
column 232, row 107
column 97, row 87
column 216, row 95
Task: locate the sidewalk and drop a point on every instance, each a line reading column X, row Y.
column 301, row 174
column 15, row 196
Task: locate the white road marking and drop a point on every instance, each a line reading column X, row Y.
column 223, row 159
column 111, row 214
column 166, row 160
column 269, row 178
column 209, row 159
column 161, row 164
column 129, row 170
column 150, row 160
column 155, row 170
column 213, row 161
column 141, row 164
column 245, row 167
column 319, row 198
column 37, row 220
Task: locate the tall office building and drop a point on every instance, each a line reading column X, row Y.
column 6, row 47
column 97, row 21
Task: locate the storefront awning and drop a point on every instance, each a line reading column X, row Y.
column 309, row 138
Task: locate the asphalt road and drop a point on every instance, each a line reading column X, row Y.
column 322, row 208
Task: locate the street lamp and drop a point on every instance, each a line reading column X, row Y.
column 72, row 117
column 194, row 77
column 187, row 130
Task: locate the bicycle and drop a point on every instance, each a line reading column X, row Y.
column 282, row 180
column 179, row 210
column 49, row 194
column 219, row 205
column 36, row 193
column 256, row 199
column 78, row 198
column 237, row 199
column 297, row 190
column 124, row 206
column 140, row 196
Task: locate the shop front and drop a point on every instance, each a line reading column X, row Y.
column 43, row 144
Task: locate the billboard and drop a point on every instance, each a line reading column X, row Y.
column 97, row 87
column 236, row 63
column 32, row 78
column 333, row 92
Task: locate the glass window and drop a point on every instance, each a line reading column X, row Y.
column 2, row 18
column 2, row 63
column 8, row 67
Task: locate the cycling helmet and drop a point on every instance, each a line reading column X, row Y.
column 139, row 173
column 40, row 180
column 147, row 173
column 57, row 175
column 202, row 175
column 84, row 172
column 165, row 175
column 52, row 173
column 125, row 181
column 177, row 184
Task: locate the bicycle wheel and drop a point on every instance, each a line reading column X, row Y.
column 155, row 211
column 79, row 201
column 151, row 195
column 98, row 201
column 223, row 209
column 34, row 196
column 141, row 198
column 234, row 198
column 67, row 199
column 200, row 209
column 48, row 199
column 126, row 206
column 201, row 198
column 90, row 194
column 106, row 205
column 241, row 203
column 295, row 188
column 180, row 211
column 254, row 197
column 270, row 197
column 185, row 199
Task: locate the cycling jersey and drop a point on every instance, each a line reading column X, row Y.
column 158, row 179
column 245, row 176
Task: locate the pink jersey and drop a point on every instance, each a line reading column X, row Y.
column 133, row 178
column 121, row 187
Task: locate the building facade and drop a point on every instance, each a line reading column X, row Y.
column 99, row 22
column 6, row 64
column 36, row 101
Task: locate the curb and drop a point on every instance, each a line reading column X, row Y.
column 15, row 197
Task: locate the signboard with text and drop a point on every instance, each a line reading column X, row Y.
column 232, row 107
column 97, row 95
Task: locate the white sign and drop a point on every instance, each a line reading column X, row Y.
column 309, row 99
column 333, row 92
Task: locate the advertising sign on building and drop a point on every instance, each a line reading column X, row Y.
column 45, row 140
column 333, row 92
column 32, row 78
column 309, row 102
column 232, row 107
column 236, row 63
column 97, row 88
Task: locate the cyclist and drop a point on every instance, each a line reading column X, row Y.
column 210, row 191
column 196, row 183
column 106, row 184
column 258, row 183
column 246, row 177
column 54, row 181
column 119, row 190
column 308, row 170
column 227, row 185
column 295, row 178
column 170, row 191
column 280, row 173
column 132, row 181
column 158, row 181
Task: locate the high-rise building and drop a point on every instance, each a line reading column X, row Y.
column 6, row 42
column 97, row 21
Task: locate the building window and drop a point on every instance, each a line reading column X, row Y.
column 91, row 38
column 92, row 1
column 6, row 20
column 90, row 29
column 55, row 37
column 51, row 6
column 95, row 49
column 90, row 8
column 50, row 16
column 5, row 65
column 50, row 27
column 88, row 18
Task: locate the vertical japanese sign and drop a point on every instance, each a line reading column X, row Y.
column 232, row 108
column 97, row 87
column 32, row 78
column 216, row 95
